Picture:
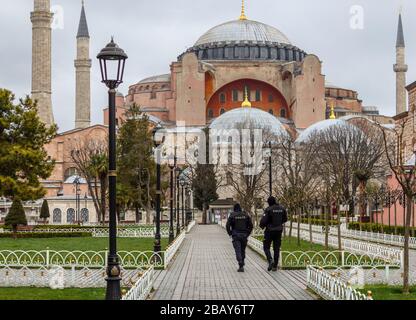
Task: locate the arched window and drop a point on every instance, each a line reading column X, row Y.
column 283, row 113
column 222, row 111
column 222, row 98
column 258, row 95
column 210, row 113
column 70, row 215
column 271, row 112
column 153, row 95
column 70, row 172
column 235, row 95
column 57, row 216
column 84, row 215
column 271, row 98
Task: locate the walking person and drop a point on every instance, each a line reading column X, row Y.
column 239, row 227
column 275, row 216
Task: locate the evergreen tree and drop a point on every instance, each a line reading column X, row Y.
column 136, row 165
column 44, row 211
column 16, row 216
column 23, row 159
column 205, row 188
column 204, row 184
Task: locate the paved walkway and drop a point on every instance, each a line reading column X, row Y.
column 205, row 269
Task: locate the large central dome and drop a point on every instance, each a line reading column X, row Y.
column 243, row 31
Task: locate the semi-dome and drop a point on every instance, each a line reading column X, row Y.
column 321, row 126
column 243, row 31
column 249, row 118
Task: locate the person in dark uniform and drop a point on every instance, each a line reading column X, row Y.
column 275, row 216
column 239, row 227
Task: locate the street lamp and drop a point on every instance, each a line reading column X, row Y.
column 178, row 227
column 157, row 247
column 270, row 170
column 112, row 61
column 77, row 182
column 172, row 166
column 183, row 183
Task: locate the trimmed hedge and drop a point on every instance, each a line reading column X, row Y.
column 44, row 235
column 316, row 222
column 60, row 227
column 373, row 227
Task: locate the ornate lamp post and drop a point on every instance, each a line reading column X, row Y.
column 112, row 59
column 178, row 226
column 172, row 166
column 157, row 247
column 183, row 183
column 270, row 170
column 77, row 198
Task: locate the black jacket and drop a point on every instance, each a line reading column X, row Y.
column 274, row 218
column 239, row 223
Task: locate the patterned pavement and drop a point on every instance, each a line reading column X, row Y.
column 205, row 269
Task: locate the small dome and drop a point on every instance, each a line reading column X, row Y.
column 322, row 126
column 71, row 180
column 241, row 31
column 158, row 78
column 249, row 118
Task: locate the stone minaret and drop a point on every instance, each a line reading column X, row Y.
column 41, row 18
column 83, row 70
column 400, row 68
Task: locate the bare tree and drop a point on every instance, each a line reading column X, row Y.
column 90, row 158
column 404, row 171
column 295, row 165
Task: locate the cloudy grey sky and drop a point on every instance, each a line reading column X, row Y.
column 155, row 32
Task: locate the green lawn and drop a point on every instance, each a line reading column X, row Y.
column 79, row 244
column 49, row 294
column 382, row 292
column 291, row 244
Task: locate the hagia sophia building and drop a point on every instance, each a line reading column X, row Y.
column 205, row 82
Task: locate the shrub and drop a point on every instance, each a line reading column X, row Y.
column 60, row 227
column 316, row 222
column 16, row 215
column 373, row 227
column 44, row 211
column 44, row 235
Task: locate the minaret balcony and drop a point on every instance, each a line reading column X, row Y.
column 400, row 68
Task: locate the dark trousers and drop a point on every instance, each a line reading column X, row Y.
column 274, row 237
column 240, row 245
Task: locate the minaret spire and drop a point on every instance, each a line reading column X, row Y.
column 83, row 25
column 243, row 14
column 400, row 68
column 83, row 74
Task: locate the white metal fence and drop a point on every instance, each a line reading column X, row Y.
column 326, row 259
column 69, row 259
column 89, row 259
column 391, row 255
column 138, row 232
column 173, row 248
column 330, row 287
column 383, row 238
column 143, row 286
column 190, row 226
column 42, row 277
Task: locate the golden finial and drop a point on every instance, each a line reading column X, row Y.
column 246, row 103
column 243, row 14
column 332, row 114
